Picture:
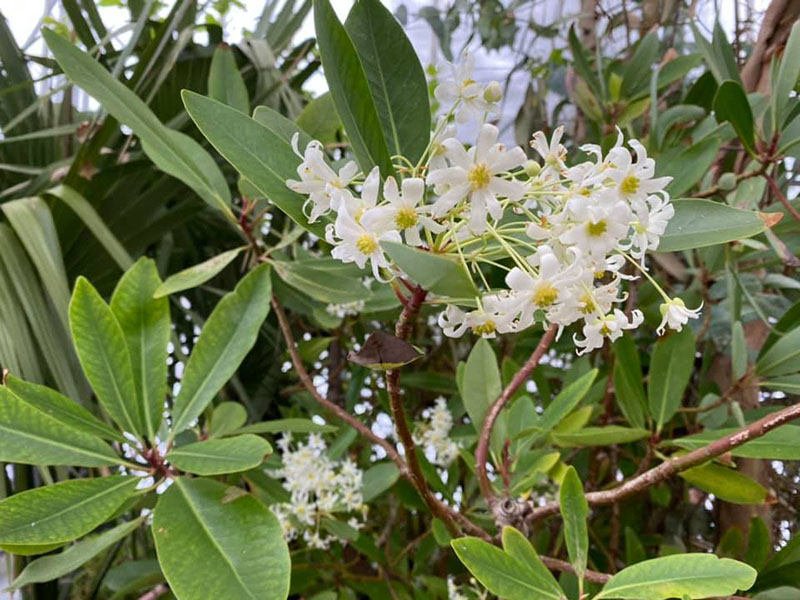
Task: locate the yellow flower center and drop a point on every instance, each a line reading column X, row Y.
column 599, row 274
column 545, row 295
column 589, row 305
column 366, row 244
column 406, row 218
column 479, row 176
column 629, row 185
column 604, row 330
column 486, row 328
column 596, row 229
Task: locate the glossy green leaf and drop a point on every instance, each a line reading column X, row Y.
column 517, row 546
column 60, row 408
column 29, row 436
column 351, row 92
column 319, row 119
column 54, row 566
column 263, row 157
column 282, row 126
column 689, row 167
column 637, row 71
column 692, row 575
column 217, row 457
column 328, row 287
column 437, row 273
column 103, row 352
column 778, row 444
column 62, row 512
column 377, row 479
column 482, row 384
column 789, row 384
column 575, row 513
column 566, row 401
column 225, row 83
column 170, row 150
column 227, row 417
column 726, row 484
column 730, row 104
column 197, row 274
column 782, row 358
column 145, row 323
column 599, row 436
column 210, row 547
column 499, row 572
column 671, row 369
column 629, row 382
column 787, row 76
column 395, row 77
column 287, row 426
column 227, row 336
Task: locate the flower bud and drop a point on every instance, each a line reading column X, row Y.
column 727, row 182
column 493, row 92
column 532, row 168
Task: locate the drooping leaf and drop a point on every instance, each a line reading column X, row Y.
column 103, row 352
column 516, row 545
column 217, row 457
column 61, row 512
column 145, row 323
column 670, row 370
column 30, row 436
column 396, row 81
column 680, row 575
column 628, row 381
column 225, row 82
column 196, row 275
column 226, row 338
column 210, row 548
column 786, row 79
column 437, row 273
column 730, row 104
column 701, row 223
column 575, row 512
column 726, row 484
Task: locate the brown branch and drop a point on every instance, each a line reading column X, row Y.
column 482, row 451
column 554, row 564
column 680, row 463
column 776, row 191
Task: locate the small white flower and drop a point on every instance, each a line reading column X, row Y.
column 609, row 326
column 461, row 87
column 403, row 211
column 355, row 243
column 675, row 315
column 495, row 316
column 553, row 153
column 633, row 180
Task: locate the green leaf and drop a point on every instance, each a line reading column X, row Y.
column 104, row 356
column 786, row 80
column 639, row 68
column 726, row 484
column 759, row 544
column 782, row 358
column 517, row 546
column 319, row 119
column 738, row 351
column 674, row 115
column 340, row 529
column 482, row 382
column 281, row 126
column 671, row 369
column 789, row 384
column 499, row 572
column 225, row 83
column 217, row 457
column 395, row 77
column 262, row 156
column 212, row 548
column 701, row 223
column 287, row 426
column 730, row 104
column 566, row 401
column 227, row 336
column 196, row 275
column 778, row 444
column 227, row 417
column 145, row 323
column 350, row 89
column 629, row 382
column 29, row 436
column 692, row 575
column 52, row 567
column 575, row 513
column 438, row 273
column 329, row 287
column 689, row 167
column 171, row 151
column 62, row 512
column 599, row 436
column 377, row 479
column 62, row 409
column 581, row 62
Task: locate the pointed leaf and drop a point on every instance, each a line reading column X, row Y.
column 227, row 417
column 566, row 401
column 778, row 444
column 671, row 369
column 225, row 340
column 575, row 513
column 726, row 484
column 599, row 436
column 217, row 457
column 731, row 104
column 287, row 426
column 210, row 548
column 225, row 82
column 782, row 358
column 196, row 275
column 516, row 545
column 438, row 273
column 628, row 381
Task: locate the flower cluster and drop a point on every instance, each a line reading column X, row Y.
column 433, row 435
column 567, row 237
column 319, row 487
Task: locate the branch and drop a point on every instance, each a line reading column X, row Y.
column 305, row 378
column 776, row 191
column 674, row 465
column 482, row 451
column 554, row 564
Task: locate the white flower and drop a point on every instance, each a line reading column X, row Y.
column 434, row 435
column 461, row 87
column 653, row 216
column 609, row 326
column 675, row 315
column 633, row 180
column 318, row 181
column 495, row 316
column 599, row 223
column 355, row 243
column 403, row 211
column 476, row 176
column 553, row 153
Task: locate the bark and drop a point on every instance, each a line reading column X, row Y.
column 772, row 36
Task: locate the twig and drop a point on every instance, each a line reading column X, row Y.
column 482, row 451
column 674, row 465
column 554, row 564
column 776, row 191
